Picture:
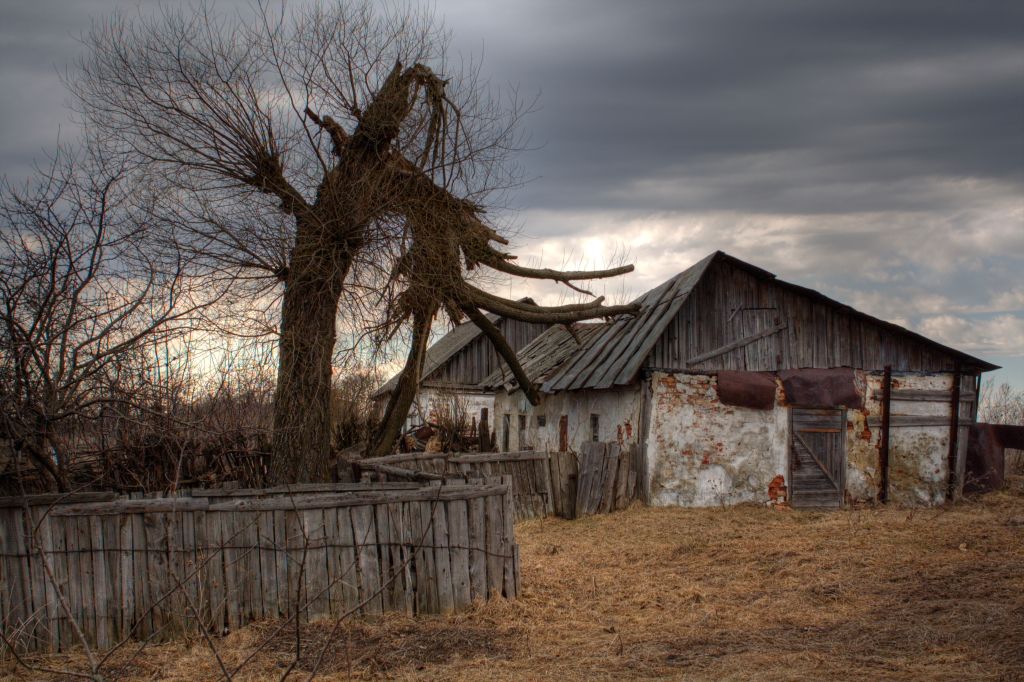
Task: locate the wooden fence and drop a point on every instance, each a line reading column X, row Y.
column 528, row 471
column 602, row 478
column 607, row 478
column 154, row 568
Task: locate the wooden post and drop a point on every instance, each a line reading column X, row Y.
column 485, row 431
column 954, row 433
column 883, row 445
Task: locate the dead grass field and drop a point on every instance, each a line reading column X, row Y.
column 741, row 593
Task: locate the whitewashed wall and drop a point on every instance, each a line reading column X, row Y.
column 918, row 455
column 618, row 413
column 701, row 452
column 428, row 399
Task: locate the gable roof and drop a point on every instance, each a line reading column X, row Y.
column 614, row 355
column 611, row 353
column 442, row 350
column 813, row 294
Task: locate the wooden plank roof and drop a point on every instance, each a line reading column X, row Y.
column 544, row 354
column 614, row 355
column 442, row 350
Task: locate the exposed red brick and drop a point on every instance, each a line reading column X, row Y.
column 777, row 491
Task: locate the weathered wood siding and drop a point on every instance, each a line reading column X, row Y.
column 478, row 358
column 731, row 307
column 158, row 567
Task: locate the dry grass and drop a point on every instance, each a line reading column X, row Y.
column 736, row 593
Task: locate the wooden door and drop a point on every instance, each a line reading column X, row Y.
column 817, row 457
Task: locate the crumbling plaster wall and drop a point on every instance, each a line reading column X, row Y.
column 918, row 455
column 701, row 452
column 618, row 413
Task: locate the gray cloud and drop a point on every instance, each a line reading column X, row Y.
column 668, row 92
column 873, row 149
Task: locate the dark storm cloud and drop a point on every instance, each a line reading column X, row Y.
column 809, row 94
column 39, row 42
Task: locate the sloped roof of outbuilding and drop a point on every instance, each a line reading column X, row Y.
column 614, row 355
column 442, row 350
column 544, row 354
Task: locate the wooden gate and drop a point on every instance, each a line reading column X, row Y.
column 817, row 457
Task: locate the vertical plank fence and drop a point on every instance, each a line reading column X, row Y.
column 157, row 567
column 602, row 478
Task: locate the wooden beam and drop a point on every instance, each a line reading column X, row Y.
column 883, row 445
column 403, row 457
column 298, row 488
column 917, row 395
column 409, row 474
column 954, row 433
column 56, row 498
column 523, row 456
column 284, row 503
column 745, row 341
column 900, row 420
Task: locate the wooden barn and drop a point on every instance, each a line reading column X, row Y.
column 455, row 365
column 740, row 387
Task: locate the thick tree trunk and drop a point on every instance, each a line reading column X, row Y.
column 408, row 383
column 302, row 400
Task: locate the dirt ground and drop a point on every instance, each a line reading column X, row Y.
column 735, row 594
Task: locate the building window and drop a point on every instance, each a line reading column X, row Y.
column 524, row 440
column 542, row 421
column 506, row 428
column 595, row 428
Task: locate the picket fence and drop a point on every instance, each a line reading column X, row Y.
column 114, row 567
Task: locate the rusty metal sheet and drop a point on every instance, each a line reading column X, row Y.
column 986, row 455
column 986, row 460
column 747, row 389
column 1009, row 435
column 822, row 387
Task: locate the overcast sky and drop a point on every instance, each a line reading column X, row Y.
column 871, row 150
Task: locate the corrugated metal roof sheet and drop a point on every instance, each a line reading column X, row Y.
column 613, row 356
column 543, row 355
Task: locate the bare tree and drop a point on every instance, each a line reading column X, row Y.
column 1001, row 404
column 79, row 298
column 332, row 151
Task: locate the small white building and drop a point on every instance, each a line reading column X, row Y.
column 454, row 367
column 734, row 382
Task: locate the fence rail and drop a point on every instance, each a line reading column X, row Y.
column 153, row 568
column 528, row 472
